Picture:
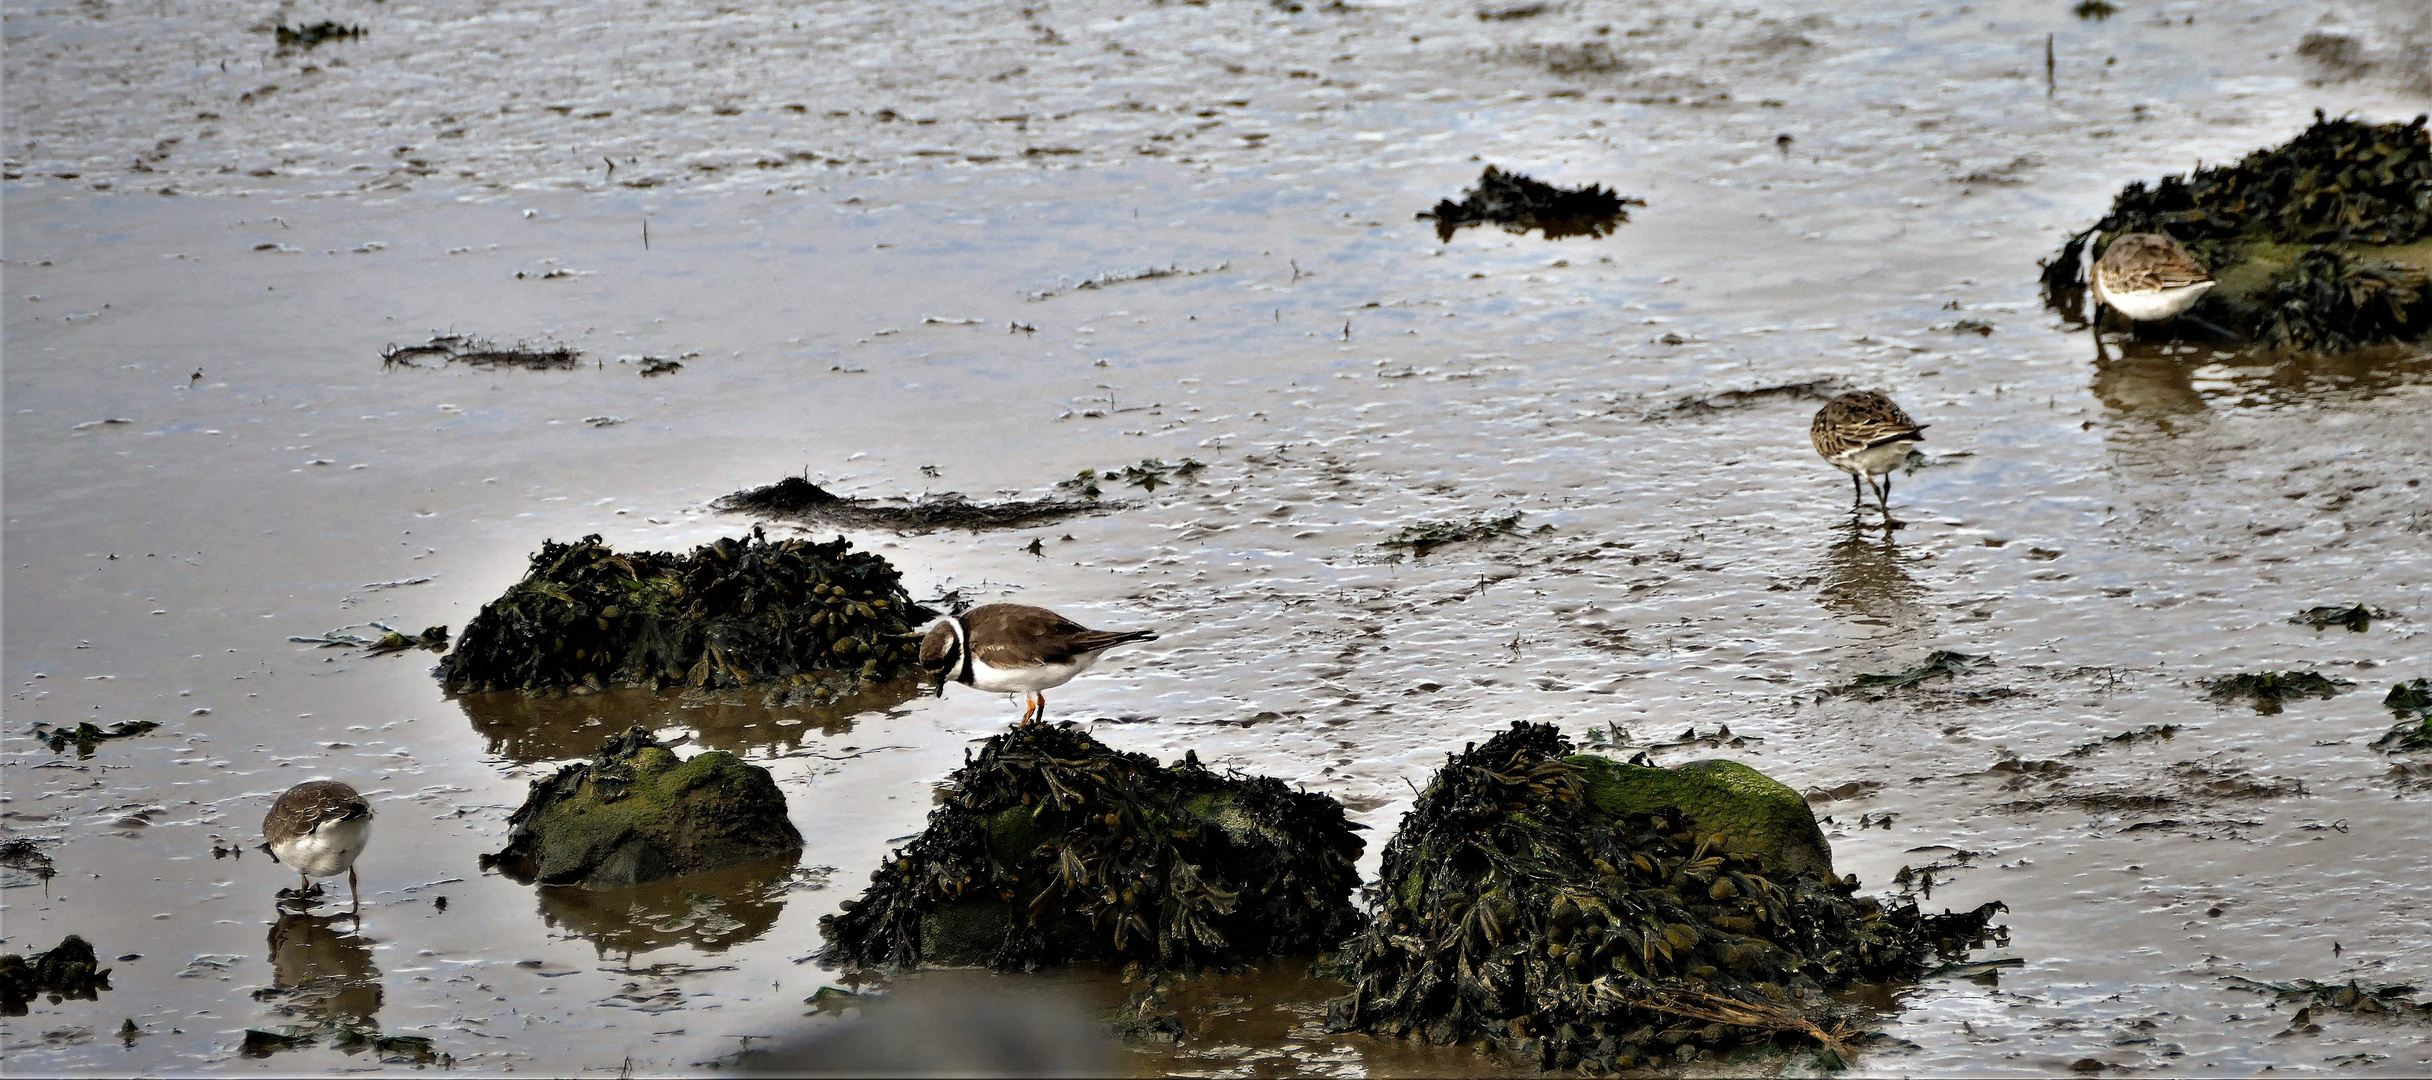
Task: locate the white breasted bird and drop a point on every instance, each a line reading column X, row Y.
column 1863, row 434
column 2149, row 278
column 317, row 829
column 1016, row 649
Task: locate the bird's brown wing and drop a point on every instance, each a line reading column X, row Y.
column 2144, row 262
column 1859, row 419
column 1018, row 635
column 302, row 807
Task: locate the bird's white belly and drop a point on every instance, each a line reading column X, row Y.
column 1027, row 680
column 1875, row 460
column 2156, row 305
column 327, row 851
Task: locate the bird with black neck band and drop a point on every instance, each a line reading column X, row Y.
column 1016, row 649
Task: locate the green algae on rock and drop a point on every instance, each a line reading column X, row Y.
column 1052, row 848
column 1551, row 907
column 1753, row 812
column 637, row 814
column 2321, row 243
column 807, row 621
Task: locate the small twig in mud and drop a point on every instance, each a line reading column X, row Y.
column 467, row 349
column 1118, row 277
column 1716, row 1009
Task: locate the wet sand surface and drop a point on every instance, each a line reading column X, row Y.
column 205, row 456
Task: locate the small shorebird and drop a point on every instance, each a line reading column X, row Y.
column 1016, row 649
column 1863, row 434
column 317, row 828
column 2148, row 277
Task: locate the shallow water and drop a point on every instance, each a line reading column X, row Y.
column 2106, row 533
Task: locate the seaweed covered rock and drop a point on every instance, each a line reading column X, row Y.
column 70, row 970
column 1555, row 908
column 806, row 620
column 637, row 814
column 1053, row 848
column 2322, row 243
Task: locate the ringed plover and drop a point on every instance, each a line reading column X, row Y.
column 1016, row 649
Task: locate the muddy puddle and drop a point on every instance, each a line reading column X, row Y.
column 862, row 232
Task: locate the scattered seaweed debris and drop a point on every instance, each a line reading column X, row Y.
column 1941, row 662
column 2351, row 996
column 1119, row 277
column 1051, row 848
column 636, row 813
column 2319, row 243
column 391, row 639
column 1519, row 203
column 1811, row 389
column 445, row 349
column 1427, row 536
column 2356, row 617
column 2097, row 10
column 1516, row 905
column 2270, row 689
column 23, row 857
column 796, row 498
column 348, row 1036
column 1149, row 475
column 2148, row 733
column 809, row 621
column 86, row 734
column 70, row 971
column 660, row 365
column 2412, row 702
column 307, row 36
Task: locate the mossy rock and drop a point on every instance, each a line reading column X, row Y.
column 1753, row 812
column 1053, row 848
column 803, row 621
column 637, row 813
column 1583, row 913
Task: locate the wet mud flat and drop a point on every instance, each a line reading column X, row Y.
column 204, row 462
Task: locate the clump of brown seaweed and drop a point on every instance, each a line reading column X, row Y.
column 1052, row 848
column 1514, row 908
column 808, row 621
column 307, row 35
column 2269, row 690
column 1427, row 536
column 2319, row 243
column 2412, row 702
column 68, row 971
column 1519, row 203
column 796, row 498
column 478, row 352
column 2356, row 617
column 85, row 735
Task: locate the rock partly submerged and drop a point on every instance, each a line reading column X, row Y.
column 1585, row 913
column 2322, row 243
column 69, row 970
column 1053, row 848
column 804, row 621
column 637, row 813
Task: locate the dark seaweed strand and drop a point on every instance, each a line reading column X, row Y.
column 1494, row 920
column 1120, row 872
column 730, row 614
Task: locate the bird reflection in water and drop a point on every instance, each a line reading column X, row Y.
column 321, row 974
column 1865, row 579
